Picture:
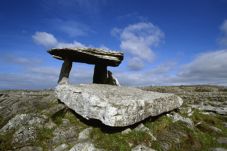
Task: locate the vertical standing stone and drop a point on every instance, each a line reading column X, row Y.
column 65, row 70
column 100, row 74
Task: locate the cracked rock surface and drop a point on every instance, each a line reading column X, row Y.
column 37, row 121
column 116, row 106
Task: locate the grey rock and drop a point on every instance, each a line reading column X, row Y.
column 85, row 146
column 62, row 147
column 54, row 109
column 50, row 125
column 222, row 110
column 222, row 140
column 65, row 71
column 143, row 128
column 30, row 148
column 24, row 119
column 18, row 102
column 116, row 106
column 63, row 135
column 225, row 124
column 177, row 117
column 205, row 126
column 88, row 55
column 85, row 134
column 24, row 135
column 217, row 130
column 218, row 149
column 126, row 131
column 111, row 79
column 142, row 148
column 65, row 122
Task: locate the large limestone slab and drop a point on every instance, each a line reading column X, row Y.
column 88, row 55
column 116, row 106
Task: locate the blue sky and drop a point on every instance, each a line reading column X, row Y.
column 165, row 42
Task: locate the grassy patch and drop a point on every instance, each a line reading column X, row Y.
column 5, row 141
column 118, row 141
column 1, row 121
column 57, row 118
column 213, row 120
column 75, row 120
column 43, row 137
column 158, row 125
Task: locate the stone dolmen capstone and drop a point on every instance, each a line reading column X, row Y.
column 99, row 57
column 112, row 105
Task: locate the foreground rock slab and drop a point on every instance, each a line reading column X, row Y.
column 116, row 106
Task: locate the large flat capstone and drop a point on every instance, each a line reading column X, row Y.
column 88, row 55
column 116, row 106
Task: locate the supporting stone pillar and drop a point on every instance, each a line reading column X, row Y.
column 65, row 70
column 100, row 74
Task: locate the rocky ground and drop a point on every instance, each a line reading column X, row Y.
column 37, row 121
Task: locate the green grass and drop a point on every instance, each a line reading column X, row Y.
column 1, row 121
column 158, row 125
column 74, row 120
column 43, row 136
column 118, row 141
column 5, row 141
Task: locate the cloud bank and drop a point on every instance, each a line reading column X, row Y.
column 48, row 40
column 223, row 38
column 138, row 40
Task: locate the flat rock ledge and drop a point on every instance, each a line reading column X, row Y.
column 116, row 106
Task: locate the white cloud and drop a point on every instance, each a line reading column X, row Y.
column 41, row 75
column 45, row 39
column 135, row 63
column 19, row 60
column 159, row 75
column 223, row 39
column 207, row 66
column 48, row 40
column 139, row 39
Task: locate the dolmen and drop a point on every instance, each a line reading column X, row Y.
column 115, row 106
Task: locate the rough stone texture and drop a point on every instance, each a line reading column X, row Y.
column 177, row 117
column 65, row 70
column 24, row 135
column 218, row 149
column 54, row 109
column 222, row 140
column 13, row 103
column 143, row 128
column 85, row 146
column 142, row 148
column 209, row 108
column 116, row 106
column 85, row 134
column 126, row 131
column 206, row 127
column 170, row 135
column 88, row 55
column 62, row 147
column 65, row 135
column 225, row 124
column 30, row 148
column 24, row 119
